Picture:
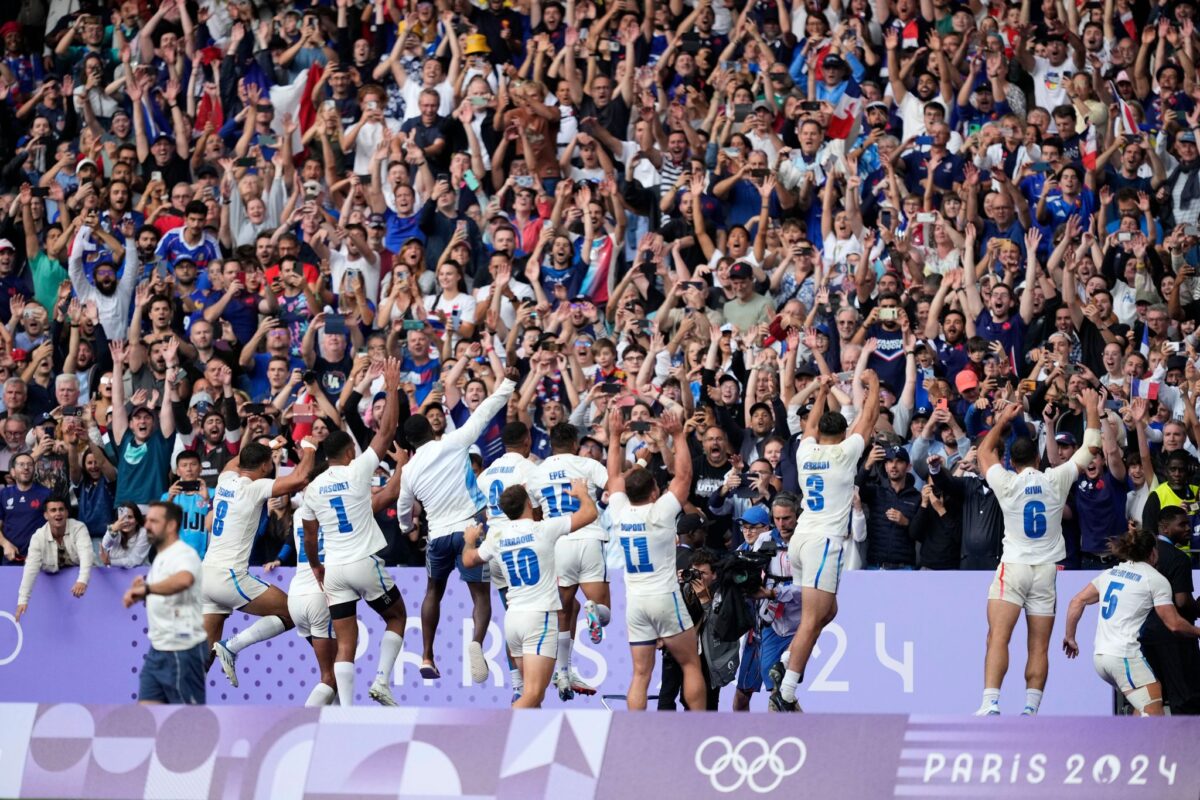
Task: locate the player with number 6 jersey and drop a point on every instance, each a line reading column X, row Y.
column 238, row 512
column 1127, row 593
column 340, row 509
column 644, row 522
column 526, row 549
column 1032, row 503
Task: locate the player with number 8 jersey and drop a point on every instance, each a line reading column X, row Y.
column 1032, row 503
column 526, row 549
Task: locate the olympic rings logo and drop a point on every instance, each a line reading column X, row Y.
column 746, row 770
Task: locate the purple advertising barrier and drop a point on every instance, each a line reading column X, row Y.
column 902, row 643
column 172, row 753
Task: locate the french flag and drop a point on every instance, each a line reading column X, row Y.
column 1088, row 151
column 845, row 112
column 1143, row 389
column 1144, row 347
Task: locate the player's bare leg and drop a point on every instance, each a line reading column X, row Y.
column 1002, row 618
column 273, row 619
column 431, row 613
column 535, row 671
column 818, row 609
column 1037, row 664
column 481, row 614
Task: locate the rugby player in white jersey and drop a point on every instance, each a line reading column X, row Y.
column 527, row 549
column 644, row 522
column 511, row 469
column 1032, row 503
column 338, row 508
column 238, row 511
column 310, row 613
column 826, row 467
column 1128, row 593
column 580, row 558
column 440, row 478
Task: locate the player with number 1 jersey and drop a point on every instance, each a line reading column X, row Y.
column 1032, row 504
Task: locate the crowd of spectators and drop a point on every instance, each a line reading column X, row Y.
column 219, row 218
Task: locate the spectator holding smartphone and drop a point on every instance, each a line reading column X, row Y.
column 125, row 543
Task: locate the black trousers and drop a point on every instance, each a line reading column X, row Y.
column 672, row 685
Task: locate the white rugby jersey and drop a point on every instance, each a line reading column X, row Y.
column 303, row 580
column 647, row 536
column 826, row 474
column 508, row 470
column 525, row 550
column 552, row 479
column 1128, row 594
column 339, row 499
column 1032, row 502
column 239, row 509
column 439, row 474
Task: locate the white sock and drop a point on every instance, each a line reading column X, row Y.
column 563, row 663
column 791, row 679
column 262, row 629
column 321, row 695
column 991, row 697
column 343, row 673
column 1033, row 699
column 518, row 683
column 389, row 651
column 603, row 613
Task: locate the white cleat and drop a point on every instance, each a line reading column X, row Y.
column 381, row 693
column 228, row 661
column 1029, row 711
column 563, row 683
column 578, row 686
column 595, row 629
column 479, row 666
column 988, row 710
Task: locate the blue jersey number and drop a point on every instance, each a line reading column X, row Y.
column 813, row 497
column 339, row 508
column 1110, row 599
column 522, row 567
column 559, row 504
column 219, row 512
column 1035, row 519
column 494, row 492
column 637, row 554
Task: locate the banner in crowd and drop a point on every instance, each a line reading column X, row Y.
column 279, row 753
column 909, row 643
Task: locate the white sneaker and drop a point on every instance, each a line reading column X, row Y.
column 1029, row 711
column 595, row 629
column 562, row 681
column 479, row 666
column 988, row 710
column 228, row 661
column 381, row 693
column 578, row 686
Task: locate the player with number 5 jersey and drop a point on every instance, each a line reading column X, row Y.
column 1032, row 503
column 1127, row 594
column 644, row 522
column 827, row 465
column 526, row 550
column 238, row 512
column 340, row 510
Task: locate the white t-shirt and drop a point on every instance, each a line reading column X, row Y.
column 175, row 621
column 340, row 500
column 461, row 308
column 303, row 580
column 508, row 470
column 238, row 511
column 508, row 312
column 551, row 480
column 525, row 549
column 647, row 536
column 370, row 137
column 1050, row 83
column 826, row 474
column 340, row 263
column 1032, row 502
column 1128, row 593
column 412, row 96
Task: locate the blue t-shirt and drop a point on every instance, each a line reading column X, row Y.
column 888, row 358
column 172, row 248
column 195, row 508
column 23, row 512
column 1099, row 510
column 489, row 442
column 422, row 377
column 1010, row 333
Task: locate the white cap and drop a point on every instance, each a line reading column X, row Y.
column 5, row 244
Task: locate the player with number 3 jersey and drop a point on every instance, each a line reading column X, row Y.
column 827, row 465
column 526, row 549
column 1032, row 503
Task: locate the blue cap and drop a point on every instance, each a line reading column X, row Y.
column 756, row 515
